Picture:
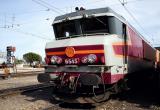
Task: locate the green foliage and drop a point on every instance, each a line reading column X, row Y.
column 18, row 61
column 31, row 57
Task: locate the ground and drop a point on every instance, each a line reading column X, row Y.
column 141, row 99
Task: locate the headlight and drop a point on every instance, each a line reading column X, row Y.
column 53, row 59
column 84, row 59
column 56, row 60
column 92, row 58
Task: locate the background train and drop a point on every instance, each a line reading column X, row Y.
column 95, row 50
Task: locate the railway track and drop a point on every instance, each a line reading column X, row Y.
column 80, row 103
column 22, row 74
column 71, row 102
column 26, row 74
column 20, row 90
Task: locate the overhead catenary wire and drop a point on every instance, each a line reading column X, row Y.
column 137, row 22
column 11, row 24
column 48, row 7
column 8, row 25
column 31, row 21
column 32, row 12
column 123, row 4
column 27, row 33
column 52, row 6
column 31, row 34
column 23, row 13
column 95, row 3
column 98, row 1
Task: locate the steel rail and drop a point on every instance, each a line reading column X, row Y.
column 20, row 90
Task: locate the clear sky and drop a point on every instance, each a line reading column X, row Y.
column 26, row 24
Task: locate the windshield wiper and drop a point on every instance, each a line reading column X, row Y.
column 101, row 21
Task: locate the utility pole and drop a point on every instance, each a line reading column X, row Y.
column 5, row 20
column 13, row 20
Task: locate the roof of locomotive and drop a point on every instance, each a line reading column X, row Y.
column 80, row 13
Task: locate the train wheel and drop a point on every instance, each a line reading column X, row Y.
column 100, row 94
column 102, row 97
column 54, row 97
column 120, row 86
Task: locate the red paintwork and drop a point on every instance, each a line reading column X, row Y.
column 84, row 47
column 118, row 49
column 110, row 78
column 137, row 48
column 77, row 48
column 148, row 52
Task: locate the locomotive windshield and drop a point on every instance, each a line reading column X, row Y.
column 87, row 26
column 95, row 25
column 65, row 29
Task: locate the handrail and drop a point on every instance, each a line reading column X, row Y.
column 82, row 35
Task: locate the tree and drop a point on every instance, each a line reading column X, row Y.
column 31, row 57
